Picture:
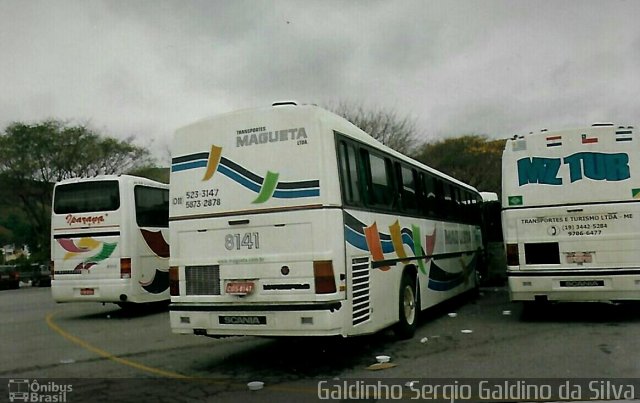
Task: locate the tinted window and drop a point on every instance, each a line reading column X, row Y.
column 349, row 174
column 86, row 197
column 152, row 206
column 409, row 194
column 430, row 194
column 382, row 190
column 353, row 175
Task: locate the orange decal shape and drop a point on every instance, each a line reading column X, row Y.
column 396, row 240
column 373, row 242
column 430, row 244
column 212, row 164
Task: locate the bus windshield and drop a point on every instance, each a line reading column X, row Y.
column 86, row 197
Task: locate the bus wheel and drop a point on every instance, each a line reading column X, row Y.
column 408, row 306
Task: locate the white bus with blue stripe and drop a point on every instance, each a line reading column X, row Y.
column 291, row 221
column 571, row 214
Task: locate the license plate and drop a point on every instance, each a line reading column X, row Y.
column 582, row 283
column 579, row 257
column 239, row 287
column 242, row 320
column 86, row 291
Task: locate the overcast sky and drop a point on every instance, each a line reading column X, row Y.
column 145, row 68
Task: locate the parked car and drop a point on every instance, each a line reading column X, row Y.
column 40, row 275
column 9, row 277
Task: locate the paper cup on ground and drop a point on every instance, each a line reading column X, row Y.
column 255, row 385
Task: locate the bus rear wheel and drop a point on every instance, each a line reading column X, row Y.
column 408, row 307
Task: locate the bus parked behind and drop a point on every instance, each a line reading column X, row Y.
column 571, row 214
column 109, row 240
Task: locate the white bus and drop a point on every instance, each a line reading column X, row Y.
column 291, row 221
column 571, row 214
column 109, row 240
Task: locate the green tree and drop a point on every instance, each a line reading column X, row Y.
column 473, row 159
column 35, row 156
column 386, row 126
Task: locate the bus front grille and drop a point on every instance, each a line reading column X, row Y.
column 360, row 289
column 202, row 280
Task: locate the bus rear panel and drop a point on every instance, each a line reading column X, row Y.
column 253, row 220
column 109, row 240
column 571, row 215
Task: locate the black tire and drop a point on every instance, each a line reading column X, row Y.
column 408, row 307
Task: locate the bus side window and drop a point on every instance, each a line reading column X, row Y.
column 381, row 191
column 428, row 184
column 349, row 174
column 457, row 202
column 440, row 204
column 448, row 201
column 408, row 189
column 152, row 206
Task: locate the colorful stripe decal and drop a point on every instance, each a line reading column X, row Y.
column 107, row 250
column 68, row 245
column 373, row 243
column 198, row 160
column 367, row 238
column 442, row 280
column 266, row 187
column 417, row 247
column 212, row 162
column 84, row 246
column 396, row 240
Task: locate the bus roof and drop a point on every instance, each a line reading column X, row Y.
column 337, row 123
column 122, row 177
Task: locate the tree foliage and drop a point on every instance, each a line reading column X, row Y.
column 473, row 159
column 386, row 126
column 35, row 156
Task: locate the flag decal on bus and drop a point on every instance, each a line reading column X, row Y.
column 515, row 200
column 624, row 135
column 519, row 145
column 554, row 141
column 588, row 140
column 635, row 193
column 266, row 187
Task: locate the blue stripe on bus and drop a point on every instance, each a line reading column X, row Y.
column 233, row 175
column 188, row 165
column 292, row 194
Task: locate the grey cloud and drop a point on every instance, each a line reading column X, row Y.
column 148, row 67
